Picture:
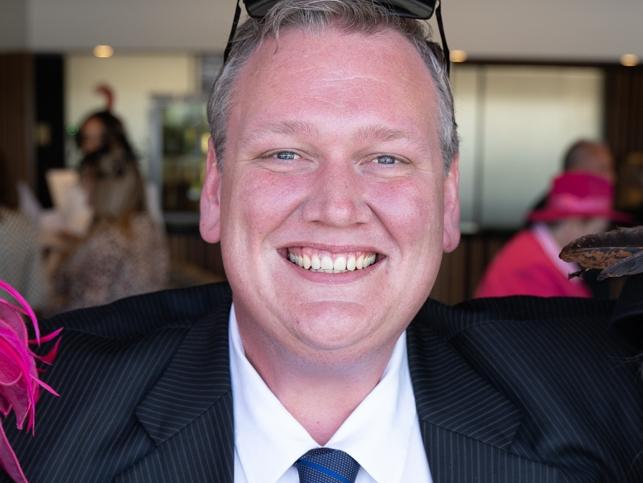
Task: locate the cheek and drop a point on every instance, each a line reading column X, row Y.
column 411, row 209
column 412, row 214
column 258, row 201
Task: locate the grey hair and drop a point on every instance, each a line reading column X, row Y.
column 363, row 16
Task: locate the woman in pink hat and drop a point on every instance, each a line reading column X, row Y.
column 578, row 203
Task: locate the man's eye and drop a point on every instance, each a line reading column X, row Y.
column 285, row 155
column 385, row 159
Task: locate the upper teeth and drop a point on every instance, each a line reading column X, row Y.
column 331, row 262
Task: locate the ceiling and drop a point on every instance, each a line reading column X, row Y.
column 574, row 30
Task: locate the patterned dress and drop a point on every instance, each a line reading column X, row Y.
column 21, row 257
column 114, row 262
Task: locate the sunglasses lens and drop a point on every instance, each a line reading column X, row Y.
column 258, row 8
column 411, row 8
column 420, row 9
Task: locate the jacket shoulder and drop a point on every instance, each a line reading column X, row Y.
column 514, row 311
column 144, row 314
column 559, row 362
column 568, row 337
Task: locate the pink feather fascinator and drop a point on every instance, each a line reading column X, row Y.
column 20, row 385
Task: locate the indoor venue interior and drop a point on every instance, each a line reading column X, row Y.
column 529, row 79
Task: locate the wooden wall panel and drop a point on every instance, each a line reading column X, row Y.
column 462, row 270
column 624, row 109
column 16, row 124
column 624, row 133
column 49, row 95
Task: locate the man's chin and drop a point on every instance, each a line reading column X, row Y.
column 333, row 325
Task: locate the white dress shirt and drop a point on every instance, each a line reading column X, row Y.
column 382, row 434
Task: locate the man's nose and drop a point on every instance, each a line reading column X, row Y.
column 337, row 197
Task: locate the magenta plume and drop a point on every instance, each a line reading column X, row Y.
column 20, row 385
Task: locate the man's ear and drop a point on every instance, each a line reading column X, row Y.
column 210, row 222
column 451, row 223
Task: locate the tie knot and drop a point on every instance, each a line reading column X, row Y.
column 325, row 465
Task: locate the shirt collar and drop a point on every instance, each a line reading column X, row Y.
column 268, row 439
column 377, row 433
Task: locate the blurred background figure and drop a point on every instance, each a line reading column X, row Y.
column 578, row 203
column 587, row 156
column 21, row 257
column 102, row 130
column 590, row 156
column 124, row 252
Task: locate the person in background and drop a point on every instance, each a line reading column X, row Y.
column 578, row 203
column 103, row 130
column 21, row 253
column 21, row 257
column 125, row 252
column 594, row 157
column 590, row 156
column 587, row 156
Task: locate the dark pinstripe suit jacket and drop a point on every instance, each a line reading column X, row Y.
column 515, row 390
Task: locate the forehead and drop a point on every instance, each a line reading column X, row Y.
column 351, row 75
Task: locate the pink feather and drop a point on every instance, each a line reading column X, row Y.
column 19, row 382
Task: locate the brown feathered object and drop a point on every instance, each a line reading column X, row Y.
column 616, row 253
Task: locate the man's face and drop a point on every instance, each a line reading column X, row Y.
column 333, row 206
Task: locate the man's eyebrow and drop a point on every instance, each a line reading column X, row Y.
column 381, row 133
column 374, row 132
column 286, row 128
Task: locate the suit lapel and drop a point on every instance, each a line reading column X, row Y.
column 467, row 425
column 188, row 411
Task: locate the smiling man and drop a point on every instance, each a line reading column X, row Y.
column 332, row 185
column 333, row 204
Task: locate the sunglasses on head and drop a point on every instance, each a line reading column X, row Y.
column 414, row 9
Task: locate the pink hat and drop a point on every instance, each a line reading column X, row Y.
column 581, row 194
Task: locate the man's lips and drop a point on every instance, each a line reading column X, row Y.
column 316, row 260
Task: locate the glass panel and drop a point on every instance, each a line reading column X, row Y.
column 465, row 82
column 531, row 116
column 183, row 129
column 521, row 120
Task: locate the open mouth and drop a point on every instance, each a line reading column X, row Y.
column 327, row 262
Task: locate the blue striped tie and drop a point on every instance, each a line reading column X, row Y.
column 325, row 465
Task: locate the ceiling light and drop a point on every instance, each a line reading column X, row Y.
column 103, row 51
column 629, row 60
column 458, row 56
